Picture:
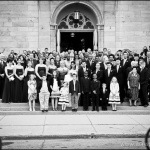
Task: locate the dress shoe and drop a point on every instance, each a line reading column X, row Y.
column 42, row 110
column 46, row 110
column 145, row 105
column 93, row 109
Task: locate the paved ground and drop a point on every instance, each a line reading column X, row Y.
column 101, row 143
column 73, row 125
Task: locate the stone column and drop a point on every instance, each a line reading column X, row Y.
column 95, row 39
column 100, row 37
column 53, row 29
column 58, row 40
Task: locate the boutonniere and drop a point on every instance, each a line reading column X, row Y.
column 86, row 68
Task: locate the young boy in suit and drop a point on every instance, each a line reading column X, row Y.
column 104, row 96
column 85, row 89
column 44, row 88
column 95, row 88
column 74, row 90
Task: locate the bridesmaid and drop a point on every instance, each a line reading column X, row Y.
column 40, row 69
column 51, row 68
column 9, row 86
column 19, row 75
column 28, row 71
column 62, row 70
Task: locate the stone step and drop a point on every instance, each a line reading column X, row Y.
column 24, row 107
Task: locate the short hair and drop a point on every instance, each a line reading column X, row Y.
column 9, row 59
column 136, row 55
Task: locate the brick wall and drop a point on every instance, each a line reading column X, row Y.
column 26, row 24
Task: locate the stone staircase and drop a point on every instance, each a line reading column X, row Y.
column 23, row 108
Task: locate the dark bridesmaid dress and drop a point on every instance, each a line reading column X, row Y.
column 49, row 77
column 41, row 71
column 9, row 89
column 25, row 87
column 18, row 86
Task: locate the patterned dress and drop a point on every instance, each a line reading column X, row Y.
column 55, row 93
column 134, row 84
column 32, row 92
column 64, row 96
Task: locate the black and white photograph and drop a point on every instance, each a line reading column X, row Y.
column 74, row 74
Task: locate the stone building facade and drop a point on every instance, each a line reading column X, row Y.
column 34, row 24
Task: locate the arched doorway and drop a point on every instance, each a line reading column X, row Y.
column 76, row 34
column 88, row 32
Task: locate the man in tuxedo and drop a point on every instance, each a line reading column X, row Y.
column 85, row 89
column 82, row 70
column 125, row 63
column 118, row 72
column 95, row 89
column 108, row 74
column 144, row 75
column 74, row 90
column 103, row 65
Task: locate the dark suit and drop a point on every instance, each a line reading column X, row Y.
column 143, row 86
column 102, row 66
column 99, row 75
column 81, row 73
column 74, row 93
column 95, row 86
column 85, row 89
column 107, row 78
column 119, row 76
column 125, row 66
column 104, row 96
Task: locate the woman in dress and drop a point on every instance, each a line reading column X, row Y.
column 40, row 69
column 9, row 86
column 23, row 61
column 28, row 71
column 55, row 87
column 114, row 98
column 62, row 70
column 51, row 68
column 19, row 75
column 134, row 85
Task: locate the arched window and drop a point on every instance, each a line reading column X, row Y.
column 68, row 22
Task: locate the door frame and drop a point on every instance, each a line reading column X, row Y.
column 76, row 30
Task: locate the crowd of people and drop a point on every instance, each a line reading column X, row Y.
column 86, row 78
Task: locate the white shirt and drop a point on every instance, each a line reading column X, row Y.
column 84, row 69
column 44, row 88
column 74, row 83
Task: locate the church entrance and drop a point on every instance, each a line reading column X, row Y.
column 76, row 41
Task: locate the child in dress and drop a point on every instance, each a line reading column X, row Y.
column 55, row 87
column 32, row 92
column 63, row 100
column 114, row 98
